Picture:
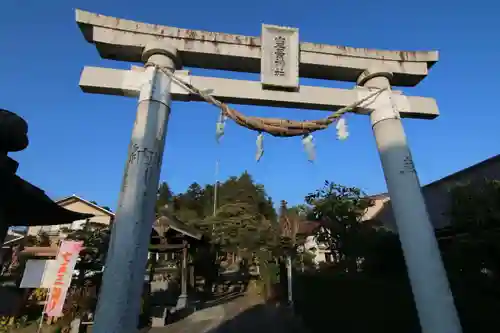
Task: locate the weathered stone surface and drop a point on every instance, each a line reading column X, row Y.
column 124, row 40
column 128, row 82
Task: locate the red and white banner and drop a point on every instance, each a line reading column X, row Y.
column 65, row 264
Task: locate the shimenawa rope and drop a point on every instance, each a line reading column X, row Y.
column 274, row 126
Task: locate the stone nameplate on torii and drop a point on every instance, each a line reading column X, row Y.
column 279, row 65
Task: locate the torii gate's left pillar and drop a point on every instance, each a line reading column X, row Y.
column 120, row 297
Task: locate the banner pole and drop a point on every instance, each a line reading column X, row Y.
column 44, row 307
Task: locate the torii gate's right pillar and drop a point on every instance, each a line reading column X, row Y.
column 430, row 286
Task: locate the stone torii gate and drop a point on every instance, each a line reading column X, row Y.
column 280, row 59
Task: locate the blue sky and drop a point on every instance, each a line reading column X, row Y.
column 79, row 141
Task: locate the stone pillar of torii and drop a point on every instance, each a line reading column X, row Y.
column 281, row 59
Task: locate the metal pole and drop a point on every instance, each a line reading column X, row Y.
column 182, row 300
column 216, row 187
column 42, row 317
column 120, row 297
column 289, row 278
column 430, row 286
column 214, row 213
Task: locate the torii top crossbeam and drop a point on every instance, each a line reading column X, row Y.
column 124, row 40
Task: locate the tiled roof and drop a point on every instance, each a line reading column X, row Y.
column 308, row 227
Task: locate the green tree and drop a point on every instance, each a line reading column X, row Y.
column 239, row 227
column 475, row 230
column 165, row 197
column 188, row 206
column 197, row 202
column 95, row 237
column 243, row 189
column 42, row 239
column 475, row 206
column 301, row 211
column 339, row 209
column 244, row 221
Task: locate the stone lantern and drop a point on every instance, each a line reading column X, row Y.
column 21, row 203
